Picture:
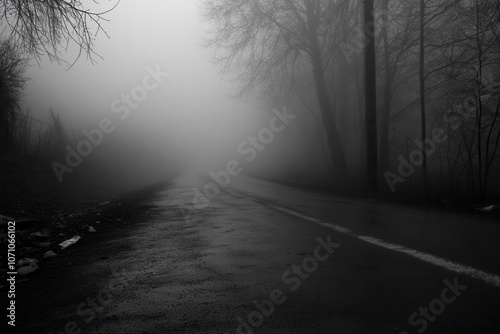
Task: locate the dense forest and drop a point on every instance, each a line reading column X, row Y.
column 395, row 97
column 429, row 96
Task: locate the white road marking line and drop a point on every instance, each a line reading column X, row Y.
column 293, row 213
column 426, row 257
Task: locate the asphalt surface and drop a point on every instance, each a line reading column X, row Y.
column 260, row 257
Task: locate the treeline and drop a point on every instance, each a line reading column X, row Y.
column 32, row 30
column 437, row 67
column 26, row 142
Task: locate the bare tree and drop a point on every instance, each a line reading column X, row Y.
column 49, row 26
column 370, row 97
column 264, row 40
column 475, row 70
column 422, row 90
column 12, row 67
column 40, row 28
column 399, row 35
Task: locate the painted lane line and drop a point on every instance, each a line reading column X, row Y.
column 293, row 213
column 437, row 261
column 422, row 256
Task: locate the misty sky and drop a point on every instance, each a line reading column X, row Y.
column 191, row 108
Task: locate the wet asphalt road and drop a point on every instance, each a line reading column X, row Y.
column 264, row 258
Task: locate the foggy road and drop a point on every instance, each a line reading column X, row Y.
column 224, row 166
column 268, row 258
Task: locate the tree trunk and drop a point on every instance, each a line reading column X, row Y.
column 370, row 98
column 335, row 146
column 422, row 94
column 386, row 108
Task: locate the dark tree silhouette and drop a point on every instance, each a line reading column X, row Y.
column 46, row 27
column 370, row 97
column 40, row 28
column 267, row 39
column 12, row 67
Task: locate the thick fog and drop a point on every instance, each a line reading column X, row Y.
column 191, row 117
column 244, row 166
column 181, row 85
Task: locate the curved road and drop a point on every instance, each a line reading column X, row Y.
column 268, row 258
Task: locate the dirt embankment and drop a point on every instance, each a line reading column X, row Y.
column 47, row 214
